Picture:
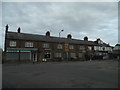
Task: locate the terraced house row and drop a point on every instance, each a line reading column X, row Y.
column 24, row 46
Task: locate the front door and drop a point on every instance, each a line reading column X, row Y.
column 34, row 56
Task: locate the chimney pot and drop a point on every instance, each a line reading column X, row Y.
column 7, row 28
column 85, row 38
column 69, row 36
column 19, row 29
column 47, row 33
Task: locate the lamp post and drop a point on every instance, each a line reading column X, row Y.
column 60, row 32
column 59, row 36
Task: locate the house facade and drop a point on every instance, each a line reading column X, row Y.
column 116, row 51
column 24, row 46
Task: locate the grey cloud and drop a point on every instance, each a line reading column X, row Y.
column 80, row 19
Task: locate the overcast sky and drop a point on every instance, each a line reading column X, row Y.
column 95, row 20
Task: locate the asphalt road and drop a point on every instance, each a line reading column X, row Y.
column 87, row 74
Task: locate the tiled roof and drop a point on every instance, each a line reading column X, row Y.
column 43, row 38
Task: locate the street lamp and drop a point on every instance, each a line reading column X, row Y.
column 59, row 37
column 60, row 32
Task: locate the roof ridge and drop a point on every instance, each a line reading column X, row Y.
column 44, row 38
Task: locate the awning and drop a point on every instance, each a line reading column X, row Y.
column 22, row 49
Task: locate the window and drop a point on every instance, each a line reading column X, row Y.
column 82, row 47
column 100, row 42
column 28, row 44
column 101, row 48
column 110, row 49
column 105, row 48
column 47, row 55
column 71, row 47
column 90, row 48
column 96, row 47
column 45, row 45
column 59, row 46
column 12, row 43
column 72, row 55
column 58, row 55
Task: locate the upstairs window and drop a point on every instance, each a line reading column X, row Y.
column 100, row 42
column 59, row 46
column 105, row 48
column 96, row 47
column 12, row 43
column 82, row 47
column 28, row 44
column 71, row 47
column 101, row 48
column 90, row 48
column 45, row 45
column 110, row 49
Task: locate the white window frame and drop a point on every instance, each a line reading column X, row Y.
column 82, row 48
column 45, row 45
column 95, row 47
column 100, row 42
column 28, row 44
column 71, row 47
column 105, row 48
column 110, row 49
column 12, row 43
column 89, row 47
column 73, row 55
column 59, row 46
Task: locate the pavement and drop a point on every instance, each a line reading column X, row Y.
column 78, row 74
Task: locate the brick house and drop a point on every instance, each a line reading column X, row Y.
column 24, row 46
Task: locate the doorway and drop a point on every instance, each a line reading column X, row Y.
column 33, row 56
column 47, row 55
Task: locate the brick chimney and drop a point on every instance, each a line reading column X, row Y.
column 98, row 39
column 48, row 33
column 19, row 29
column 7, row 28
column 69, row 36
column 85, row 38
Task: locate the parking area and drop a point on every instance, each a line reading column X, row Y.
column 78, row 74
